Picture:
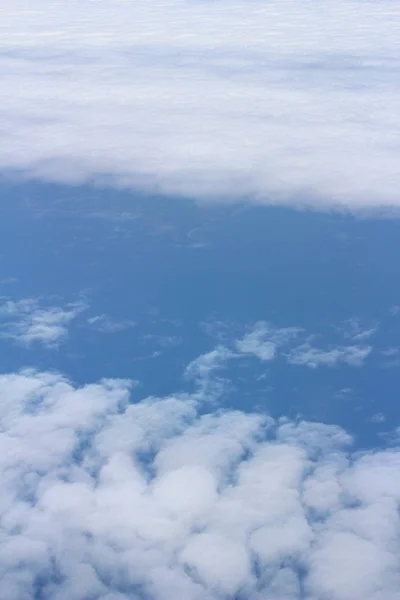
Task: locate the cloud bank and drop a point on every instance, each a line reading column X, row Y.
column 105, row 497
column 281, row 102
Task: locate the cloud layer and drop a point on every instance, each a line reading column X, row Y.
column 279, row 102
column 108, row 498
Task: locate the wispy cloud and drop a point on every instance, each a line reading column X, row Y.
column 28, row 322
column 309, row 356
column 107, row 498
column 280, row 102
column 206, row 369
column 392, row 357
column 353, row 329
column 266, row 342
column 106, row 324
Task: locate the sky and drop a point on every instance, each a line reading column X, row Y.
column 199, row 300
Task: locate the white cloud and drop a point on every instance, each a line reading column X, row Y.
column 109, row 498
column 203, row 371
column 364, row 334
column 264, row 340
column 390, row 352
column 312, row 357
column 353, row 329
column 106, row 324
column 282, row 102
column 378, row 418
column 27, row 322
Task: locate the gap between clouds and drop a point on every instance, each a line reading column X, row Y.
column 281, row 102
column 105, row 497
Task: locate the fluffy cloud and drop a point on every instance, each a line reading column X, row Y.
column 27, row 322
column 106, row 497
column 282, row 102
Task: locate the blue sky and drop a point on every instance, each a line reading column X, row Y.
column 199, row 301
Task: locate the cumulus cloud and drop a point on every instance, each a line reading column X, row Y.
column 106, row 497
column 27, row 322
column 281, row 102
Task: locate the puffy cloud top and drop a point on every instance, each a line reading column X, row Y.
column 107, row 498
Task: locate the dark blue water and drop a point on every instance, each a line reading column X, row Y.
column 172, row 266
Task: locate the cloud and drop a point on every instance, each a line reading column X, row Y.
column 378, row 418
column 205, row 371
column 106, row 324
column 209, row 371
column 27, row 322
column 355, row 331
column 309, row 356
column 392, row 358
column 280, row 102
column 107, row 497
column 264, row 340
